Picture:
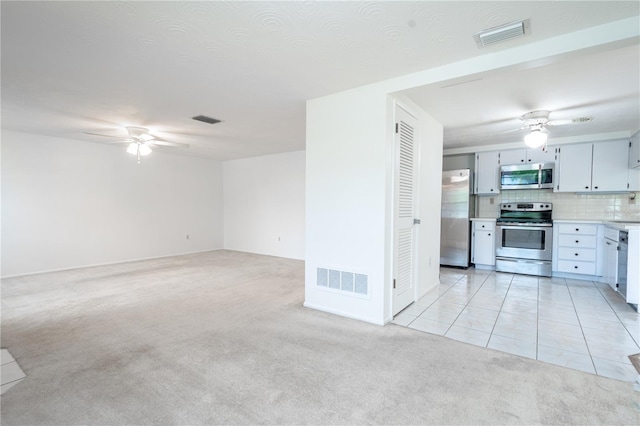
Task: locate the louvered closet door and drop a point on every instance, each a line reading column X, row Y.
column 404, row 230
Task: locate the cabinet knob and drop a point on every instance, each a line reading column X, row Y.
column 575, row 267
column 483, row 226
column 595, row 187
column 577, row 229
column 491, row 189
column 577, row 241
column 576, row 254
column 489, row 234
column 586, row 187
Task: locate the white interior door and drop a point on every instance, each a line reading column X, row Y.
column 404, row 230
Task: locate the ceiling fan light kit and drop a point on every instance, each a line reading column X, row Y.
column 536, row 139
column 138, row 149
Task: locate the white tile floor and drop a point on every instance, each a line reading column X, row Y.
column 10, row 372
column 576, row 324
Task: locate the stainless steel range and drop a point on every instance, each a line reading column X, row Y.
column 524, row 238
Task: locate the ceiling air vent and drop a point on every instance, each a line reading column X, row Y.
column 206, row 119
column 501, row 33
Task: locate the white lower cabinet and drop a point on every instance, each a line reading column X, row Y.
column 483, row 247
column 576, row 248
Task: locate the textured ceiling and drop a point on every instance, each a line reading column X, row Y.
column 75, row 67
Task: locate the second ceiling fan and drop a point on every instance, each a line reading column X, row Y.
column 538, row 121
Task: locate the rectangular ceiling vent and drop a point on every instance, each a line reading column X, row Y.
column 501, row 33
column 206, row 119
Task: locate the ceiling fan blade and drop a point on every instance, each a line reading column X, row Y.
column 515, row 130
column 105, row 136
column 162, row 142
column 578, row 120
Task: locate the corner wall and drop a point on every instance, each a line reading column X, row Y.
column 68, row 204
column 264, row 205
column 349, row 201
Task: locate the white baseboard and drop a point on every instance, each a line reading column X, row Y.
column 343, row 314
column 107, row 263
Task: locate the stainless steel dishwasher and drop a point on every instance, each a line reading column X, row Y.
column 623, row 254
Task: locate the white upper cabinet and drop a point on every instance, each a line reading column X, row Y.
column 593, row 167
column 540, row 156
column 610, row 166
column 524, row 156
column 487, row 173
column 634, row 163
column 574, row 171
column 634, row 151
column 513, row 156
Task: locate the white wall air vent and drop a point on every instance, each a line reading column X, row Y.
column 349, row 282
column 501, row 33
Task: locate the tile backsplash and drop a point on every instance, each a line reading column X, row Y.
column 567, row 205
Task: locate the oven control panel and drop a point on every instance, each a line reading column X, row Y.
column 527, row 207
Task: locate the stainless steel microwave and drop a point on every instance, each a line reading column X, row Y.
column 527, row 176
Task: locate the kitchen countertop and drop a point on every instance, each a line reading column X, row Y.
column 623, row 225
column 577, row 221
column 619, row 224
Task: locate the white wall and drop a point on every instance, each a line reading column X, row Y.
column 264, row 205
column 69, row 203
column 346, row 198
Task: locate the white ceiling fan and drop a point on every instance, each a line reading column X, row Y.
column 538, row 121
column 141, row 141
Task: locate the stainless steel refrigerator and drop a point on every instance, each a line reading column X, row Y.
column 455, row 227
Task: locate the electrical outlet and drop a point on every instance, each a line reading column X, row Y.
column 187, row 237
column 492, row 200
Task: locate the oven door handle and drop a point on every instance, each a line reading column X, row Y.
column 525, row 227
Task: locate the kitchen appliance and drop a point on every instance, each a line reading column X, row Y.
column 527, row 176
column 611, row 244
column 457, row 208
column 623, row 260
column 524, row 238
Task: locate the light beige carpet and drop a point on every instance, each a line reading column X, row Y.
column 222, row 338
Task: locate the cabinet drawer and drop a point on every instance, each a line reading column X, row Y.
column 577, row 241
column 577, row 254
column 577, row 229
column 484, row 225
column 587, row 268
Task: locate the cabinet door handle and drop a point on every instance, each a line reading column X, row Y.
column 608, row 243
